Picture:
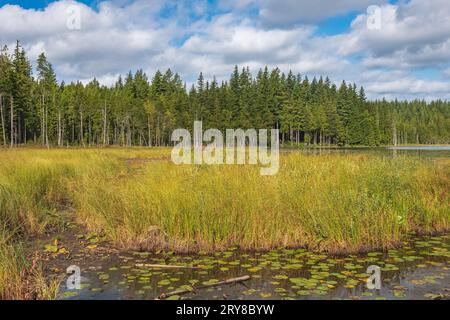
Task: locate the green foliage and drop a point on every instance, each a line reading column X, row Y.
column 306, row 112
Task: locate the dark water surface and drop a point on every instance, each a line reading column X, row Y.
column 418, row 270
column 415, row 151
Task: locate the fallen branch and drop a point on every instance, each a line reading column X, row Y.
column 194, row 288
column 166, row 266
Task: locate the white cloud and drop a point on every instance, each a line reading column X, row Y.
column 409, row 85
column 286, row 13
column 111, row 40
column 123, row 35
column 411, row 34
column 447, row 72
column 228, row 41
column 282, row 13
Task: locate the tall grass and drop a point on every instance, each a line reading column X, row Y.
column 35, row 185
column 21, row 278
column 334, row 203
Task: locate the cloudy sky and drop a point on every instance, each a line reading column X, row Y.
column 395, row 48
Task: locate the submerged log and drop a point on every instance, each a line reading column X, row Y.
column 194, row 288
column 165, row 266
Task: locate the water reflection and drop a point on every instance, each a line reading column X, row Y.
column 422, row 152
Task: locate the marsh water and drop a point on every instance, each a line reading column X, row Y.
column 418, row 269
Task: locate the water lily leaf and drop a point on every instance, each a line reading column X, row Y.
column 281, row 277
column 164, row 282
column 211, row 281
column 69, row 294
column 63, row 251
column 103, row 276
column 52, row 248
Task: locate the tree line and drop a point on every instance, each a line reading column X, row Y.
column 36, row 109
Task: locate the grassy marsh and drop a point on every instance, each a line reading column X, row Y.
column 140, row 200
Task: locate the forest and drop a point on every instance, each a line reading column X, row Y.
column 138, row 111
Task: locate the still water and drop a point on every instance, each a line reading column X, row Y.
column 418, row 270
column 419, row 151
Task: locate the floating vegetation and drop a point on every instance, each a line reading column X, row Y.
column 299, row 274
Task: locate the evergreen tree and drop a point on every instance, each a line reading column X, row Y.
column 137, row 112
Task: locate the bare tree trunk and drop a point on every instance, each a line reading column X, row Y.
column 59, row 127
column 63, row 129
column 107, row 133
column 81, row 129
column 116, row 133
column 73, row 131
column 12, row 121
column 104, row 124
column 128, row 133
column 46, row 127
column 122, row 133
column 89, row 131
column 394, row 135
column 157, row 141
column 231, row 281
column 149, row 133
column 115, row 130
column 19, row 131
column 3, row 120
column 42, row 121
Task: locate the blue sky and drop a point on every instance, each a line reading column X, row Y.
column 405, row 54
column 39, row 4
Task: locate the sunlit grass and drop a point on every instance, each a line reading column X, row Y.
column 21, row 278
column 334, row 203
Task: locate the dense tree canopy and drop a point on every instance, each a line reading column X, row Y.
column 137, row 111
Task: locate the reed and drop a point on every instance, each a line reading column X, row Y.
column 333, row 203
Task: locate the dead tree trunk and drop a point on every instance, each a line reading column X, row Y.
column 194, row 288
column 42, row 121
column 59, row 127
column 12, row 121
column 104, row 124
column 3, row 120
column 81, row 129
